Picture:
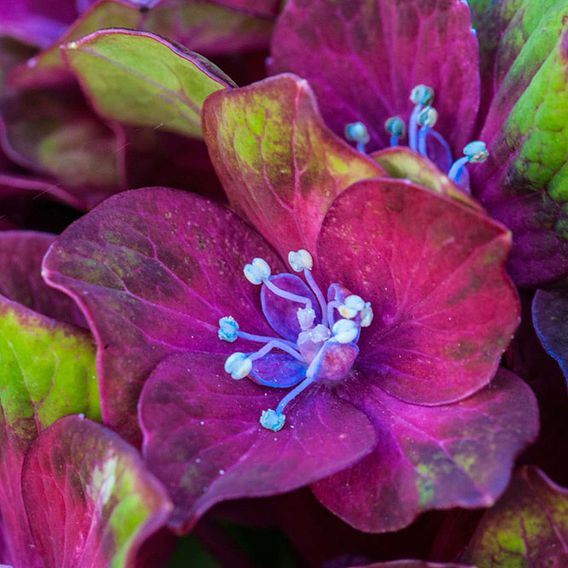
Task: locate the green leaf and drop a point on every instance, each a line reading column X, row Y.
column 141, row 79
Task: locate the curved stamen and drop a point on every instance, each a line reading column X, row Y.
column 262, row 338
column 275, row 419
column 474, row 153
column 275, row 344
column 330, row 316
column 287, row 295
column 318, row 293
column 421, row 96
column 413, row 127
column 426, row 119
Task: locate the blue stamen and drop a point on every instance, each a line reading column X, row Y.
column 474, row 153
column 275, row 344
column 413, row 127
column 321, row 352
column 427, row 118
column 286, row 295
column 357, row 132
column 396, row 128
column 330, row 308
column 318, row 293
column 261, row 338
column 421, row 96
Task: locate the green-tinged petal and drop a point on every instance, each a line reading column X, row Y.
column 523, row 184
column 47, row 370
column 141, row 79
column 527, row 527
column 96, row 502
column 279, row 164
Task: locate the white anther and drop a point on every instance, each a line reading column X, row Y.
column 320, row 333
column 367, row 315
column 300, row 260
column 238, row 365
column 306, row 317
column 351, row 306
column 257, row 271
column 345, row 331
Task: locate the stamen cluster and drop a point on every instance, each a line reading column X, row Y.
column 325, row 346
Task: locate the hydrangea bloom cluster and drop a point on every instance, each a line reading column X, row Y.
column 352, row 304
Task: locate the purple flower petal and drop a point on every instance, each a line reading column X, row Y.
column 279, row 164
column 445, row 309
column 153, row 271
column 89, row 497
column 527, row 527
column 550, row 316
column 364, row 58
column 203, row 439
column 457, row 455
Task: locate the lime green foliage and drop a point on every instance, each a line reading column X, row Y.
column 47, row 370
column 527, row 527
column 141, row 79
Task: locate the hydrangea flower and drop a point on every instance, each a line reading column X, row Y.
column 371, row 372
column 505, row 86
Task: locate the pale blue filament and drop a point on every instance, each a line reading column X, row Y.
column 413, row 126
column 275, row 344
column 457, row 167
column 262, row 338
column 293, row 394
column 318, row 293
column 287, row 295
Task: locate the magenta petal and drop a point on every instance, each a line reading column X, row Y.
column 458, row 455
column 154, row 270
column 433, row 269
column 363, row 59
column 282, row 314
column 203, row 439
column 21, row 253
column 89, row 497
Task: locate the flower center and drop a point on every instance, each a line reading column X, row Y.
column 317, row 338
column 420, row 132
